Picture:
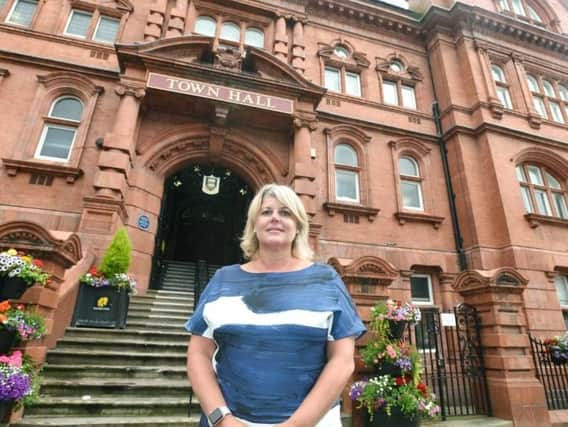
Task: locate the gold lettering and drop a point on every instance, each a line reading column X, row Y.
column 269, row 102
column 183, row 85
column 248, row 99
column 213, row 91
column 235, row 95
column 259, row 101
column 171, row 83
column 197, row 88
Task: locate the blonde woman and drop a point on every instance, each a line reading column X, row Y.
column 273, row 339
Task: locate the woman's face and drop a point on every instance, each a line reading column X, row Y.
column 275, row 225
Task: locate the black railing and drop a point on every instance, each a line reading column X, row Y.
column 552, row 375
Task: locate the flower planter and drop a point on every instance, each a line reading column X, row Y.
column 388, row 368
column 12, row 288
column 396, row 329
column 104, row 307
column 396, row 419
column 5, row 410
column 558, row 356
column 7, row 340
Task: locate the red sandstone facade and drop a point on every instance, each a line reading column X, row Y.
column 181, row 87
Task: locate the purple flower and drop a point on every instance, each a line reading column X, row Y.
column 404, row 363
column 14, row 384
column 357, row 389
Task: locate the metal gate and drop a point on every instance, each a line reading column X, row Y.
column 453, row 360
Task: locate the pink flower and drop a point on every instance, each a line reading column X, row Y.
column 13, row 360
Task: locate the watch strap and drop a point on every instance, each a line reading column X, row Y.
column 217, row 414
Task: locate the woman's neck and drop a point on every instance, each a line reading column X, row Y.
column 275, row 262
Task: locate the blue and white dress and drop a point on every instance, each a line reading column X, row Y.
column 271, row 331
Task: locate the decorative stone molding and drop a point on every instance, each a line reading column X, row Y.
column 130, row 90
column 473, row 281
column 374, row 270
column 345, row 208
column 536, row 220
column 304, row 120
column 411, row 146
column 546, row 157
column 38, row 241
column 229, row 59
column 70, row 174
column 406, row 216
column 155, row 21
column 348, row 131
column 357, row 60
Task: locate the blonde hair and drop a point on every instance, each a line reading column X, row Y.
column 285, row 195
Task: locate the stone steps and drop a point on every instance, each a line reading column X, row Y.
column 124, row 345
column 146, row 421
column 114, row 358
column 127, row 334
column 82, row 371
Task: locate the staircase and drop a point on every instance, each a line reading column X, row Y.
column 178, row 276
column 121, row 377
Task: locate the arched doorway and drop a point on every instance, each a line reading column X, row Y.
column 198, row 225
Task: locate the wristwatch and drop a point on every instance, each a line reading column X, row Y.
column 217, row 415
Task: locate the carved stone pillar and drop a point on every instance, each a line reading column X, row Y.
column 155, row 21
column 494, row 103
column 176, row 23
column 304, row 176
column 535, row 120
column 514, row 391
column 298, row 47
column 281, row 39
column 449, row 297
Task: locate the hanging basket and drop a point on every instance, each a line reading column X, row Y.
column 396, row 419
column 397, row 328
column 5, row 410
column 387, row 368
column 8, row 339
column 12, row 288
column 557, row 356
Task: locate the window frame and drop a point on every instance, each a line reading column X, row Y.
column 342, row 167
column 430, row 301
column 391, row 76
column 12, row 9
column 244, row 27
column 544, row 104
column 530, row 189
column 88, row 29
column 563, row 307
column 342, row 64
column 415, row 179
column 524, row 13
column 98, row 13
column 99, row 19
column 502, row 86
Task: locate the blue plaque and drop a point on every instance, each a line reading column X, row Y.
column 143, row 222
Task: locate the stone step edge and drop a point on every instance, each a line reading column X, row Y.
column 67, row 352
column 112, row 401
column 35, row 420
column 104, row 382
column 125, row 331
column 129, row 342
column 119, row 368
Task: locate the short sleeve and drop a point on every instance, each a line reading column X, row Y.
column 197, row 324
column 346, row 320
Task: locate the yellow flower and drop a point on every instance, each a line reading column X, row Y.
column 102, row 302
column 12, row 252
column 27, row 258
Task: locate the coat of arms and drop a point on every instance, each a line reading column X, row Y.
column 211, row 184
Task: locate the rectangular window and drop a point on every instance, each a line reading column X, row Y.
column 352, row 84
column 504, row 5
column 565, row 315
column 539, row 106
column 411, row 195
column 504, row 97
column 107, row 29
column 390, row 94
column 22, row 12
column 542, row 202
column 408, row 97
column 556, row 112
column 525, row 193
column 56, row 143
column 421, row 289
column 332, row 79
column 78, row 24
column 560, row 203
column 535, row 175
column 561, row 283
column 518, row 8
column 2, row 3
column 521, row 174
column 347, row 185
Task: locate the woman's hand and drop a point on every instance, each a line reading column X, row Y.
column 231, row 421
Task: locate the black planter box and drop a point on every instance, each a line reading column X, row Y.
column 103, row 307
column 12, row 288
column 396, row 419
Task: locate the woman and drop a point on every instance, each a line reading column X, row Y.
column 273, row 339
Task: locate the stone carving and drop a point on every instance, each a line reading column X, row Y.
column 229, row 59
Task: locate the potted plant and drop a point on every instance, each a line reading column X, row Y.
column 395, row 394
column 19, row 383
column 19, row 323
column 18, row 271
column 104, row 291
column 558, row 349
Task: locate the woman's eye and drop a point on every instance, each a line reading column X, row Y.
column 266, row 212
column 285, row 213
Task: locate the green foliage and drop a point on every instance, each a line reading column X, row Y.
column 117, row 257
column 34, row 371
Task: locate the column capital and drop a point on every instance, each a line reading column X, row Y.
column 518, row 58
column 307, row 120
column 131, row 90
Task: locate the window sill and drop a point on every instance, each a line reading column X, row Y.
column 345, row 208
column 405, row 216
column 535, row 220
column 13, row 166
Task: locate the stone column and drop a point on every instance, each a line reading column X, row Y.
column 514, row 391
column 176, row 23
column 298, row 47
column 281, row 39
column 449, row 297
column 304, row 176
column 535, row 120
column 494, row 103
column 155, row 21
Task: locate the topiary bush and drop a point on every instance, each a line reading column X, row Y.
column 117, row 257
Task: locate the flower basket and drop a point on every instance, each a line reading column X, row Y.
column 12, row 288
column 8, row 339
column 397, row 328
column 19, row 381
column 558, row 349
column 387, row 368
column 102, row 307
column 5, row 410
column 395, row 419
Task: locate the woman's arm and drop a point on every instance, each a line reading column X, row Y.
column 327, row 389
column 203, row 379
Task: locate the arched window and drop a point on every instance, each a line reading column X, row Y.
column 541, row 191
column 205, row 25
column 254, row 37
column 501, row 86
column 346, row 173
column 231, row 32
column 340, row 76
column 341, row 52
column 521, row 9
column 60, row 129
column 410, row 183
column 549, row 98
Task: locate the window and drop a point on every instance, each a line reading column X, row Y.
column 352, row 84
column 332, row 79
column 561, row 283
column 231, row 32
column 521, row 9
column 80, row 21
column 254, row 37
column 346, row 173
column 501, row 86
column 60, row 129
column 390, row 93
column 22, row 12
column 421, row 289
column 206, row 26
column 410, row 186
column 342, row 70
column 398, row 91
column 550, row 98
column 541, row 191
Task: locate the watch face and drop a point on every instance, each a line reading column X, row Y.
column 215, row 416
